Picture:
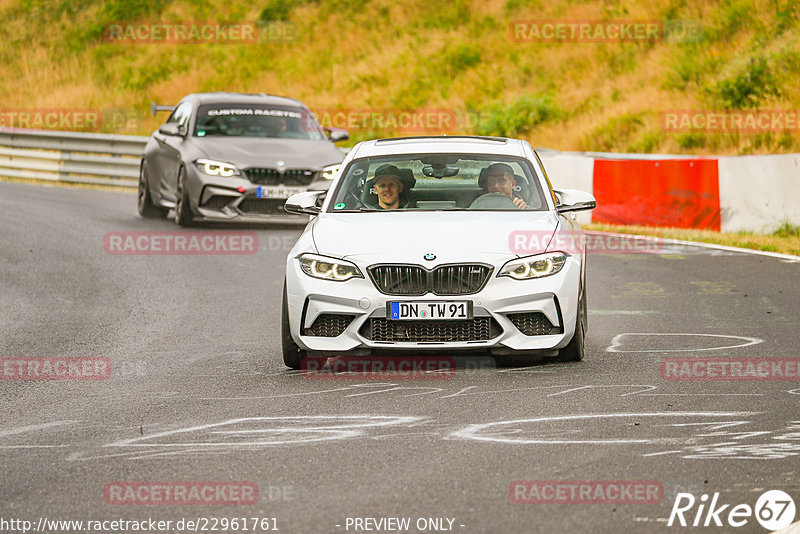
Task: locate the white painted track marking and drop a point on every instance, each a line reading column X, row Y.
column 617, row 341
column 471, row 431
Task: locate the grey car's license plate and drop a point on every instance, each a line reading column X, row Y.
column 278, row 191
column 429, row 310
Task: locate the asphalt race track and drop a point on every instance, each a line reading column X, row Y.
column 198, row 391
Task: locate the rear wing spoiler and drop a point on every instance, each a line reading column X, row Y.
column 154, row 108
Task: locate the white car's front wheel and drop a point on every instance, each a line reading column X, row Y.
column 292, row 354
column 575, row 351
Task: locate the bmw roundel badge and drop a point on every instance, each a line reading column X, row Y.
column 430, row 256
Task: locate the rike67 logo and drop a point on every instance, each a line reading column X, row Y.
column 774, row 510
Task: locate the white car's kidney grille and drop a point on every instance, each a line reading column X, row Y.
column 476, row 329
column 446, row 280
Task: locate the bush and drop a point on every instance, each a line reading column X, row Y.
column 691, row 140
column 690, row 64
column 461, row 57
column 279, row 10
column 446, row 15
column 787, row 229
column 646, row 144
column 615, row 134
column 747, row 88
column 519, row 117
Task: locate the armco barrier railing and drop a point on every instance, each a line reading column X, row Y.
column 73, row 157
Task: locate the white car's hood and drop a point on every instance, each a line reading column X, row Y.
column 452, row 236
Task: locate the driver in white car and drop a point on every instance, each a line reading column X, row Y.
column 500, row 179
column 388, row 186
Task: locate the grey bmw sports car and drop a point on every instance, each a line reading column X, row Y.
column 231, row 156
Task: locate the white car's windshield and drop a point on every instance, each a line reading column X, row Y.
column 256, row 120
column 438, row 182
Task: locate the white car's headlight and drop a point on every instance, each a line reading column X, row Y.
column 328, row 268
column 217, row 168
column 329, row 172
column 536, row 266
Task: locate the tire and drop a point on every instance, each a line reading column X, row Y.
column 183, row 211
column 575, row 350
column 147, row 209
column 293, row 355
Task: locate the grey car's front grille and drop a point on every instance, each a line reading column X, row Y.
column 446, row 280
column 328, row 325
column 262, row 206
column 431, row 331
column 289, row 177
column 533, row 324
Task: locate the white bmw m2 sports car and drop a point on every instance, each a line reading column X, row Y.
column 456, row 244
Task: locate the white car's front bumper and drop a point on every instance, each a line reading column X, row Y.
column 554, row 296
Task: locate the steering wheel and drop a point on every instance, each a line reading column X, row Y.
column 493, row 201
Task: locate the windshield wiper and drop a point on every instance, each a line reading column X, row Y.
column 356, row 210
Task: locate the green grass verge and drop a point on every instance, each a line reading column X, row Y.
column 785, row 240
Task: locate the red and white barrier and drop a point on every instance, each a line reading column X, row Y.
column 729, row 194
column 759, row 193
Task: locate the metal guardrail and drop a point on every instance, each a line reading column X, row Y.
column 74, row 157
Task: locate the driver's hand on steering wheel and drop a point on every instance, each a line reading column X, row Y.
column 519, row 203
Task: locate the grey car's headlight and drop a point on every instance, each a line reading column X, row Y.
column 328, row 268
column 217, row 168
column 329, row 172
column 536, row 266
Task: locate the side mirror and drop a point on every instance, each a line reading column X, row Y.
column 172, row 128
column 304, row 203
column 336, row 134
column 574, row 200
